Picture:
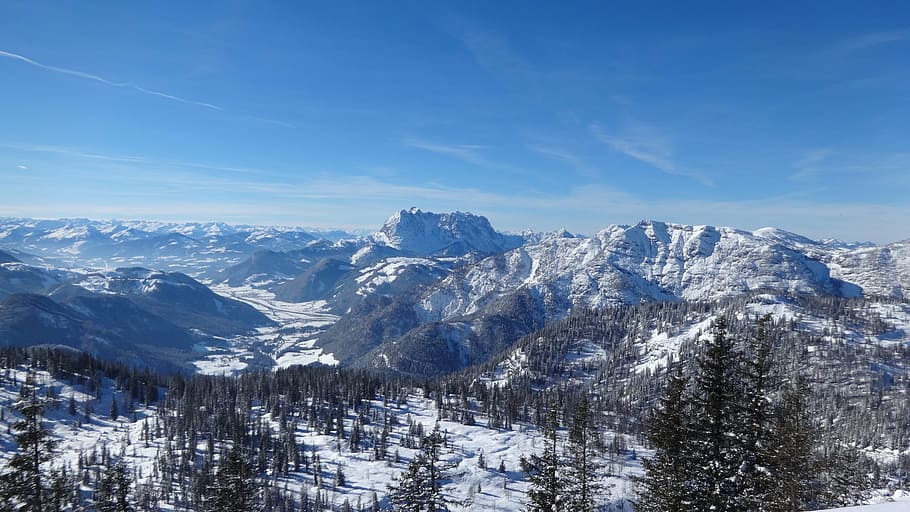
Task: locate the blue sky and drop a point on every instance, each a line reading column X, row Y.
column 536, row 114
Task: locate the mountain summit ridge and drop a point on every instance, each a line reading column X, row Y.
column 423, row 232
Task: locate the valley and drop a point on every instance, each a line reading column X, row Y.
column 486, row 329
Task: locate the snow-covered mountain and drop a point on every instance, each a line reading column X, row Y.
column 191, row 247
column 628, row 264
column 445, row 280
column 454, row 234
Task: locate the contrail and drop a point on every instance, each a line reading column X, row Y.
column 96, row 78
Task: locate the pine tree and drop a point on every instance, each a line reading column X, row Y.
column 546, row 483
column 234, row 486
column 754, row 477
column 584, row 448
column 113, row 491
column 715, row 444
column 790, row 441
column 667, row 480
column 23, row 482
column 419, row 488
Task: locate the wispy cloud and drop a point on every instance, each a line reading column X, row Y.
column 469, row 153
column 808, row 165
column 490, row 49
column 641, row 144
column 818, row 163
column 129, row 159
column 22, row 167
column 873, row 39
column 646, row 144
column 567, row 157
column 96, row 78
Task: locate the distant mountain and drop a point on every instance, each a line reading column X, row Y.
column 426, row 283
column 18, row 277
column 270, row 268
column 263, row 265
column 317, row 283
column 193, row 247
column 446, row 234
column 627, row 264
column 177, row 297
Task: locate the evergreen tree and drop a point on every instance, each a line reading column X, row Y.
column 419, row 488
column 666, row 484
column 755, row 477
column 23, row 482
column 584, row 448
column 234, row 487
column 790, row 441
column 715, row 445
column 546, row 483
column 113, row 491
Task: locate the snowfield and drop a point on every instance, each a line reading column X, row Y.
column 291, row 342
column 478, row 487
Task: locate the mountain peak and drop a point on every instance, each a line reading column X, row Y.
column 420, row 232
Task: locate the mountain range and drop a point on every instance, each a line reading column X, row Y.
column 424, row 285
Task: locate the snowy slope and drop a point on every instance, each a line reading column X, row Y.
column 883, row 270
column 627, row 264
column 123, row 438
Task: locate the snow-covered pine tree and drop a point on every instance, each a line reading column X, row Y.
column 23, row 482
column 583, row 452
column 546, row 483
column 716, row 446
column 754, row 480
column 234, row 486
column 419, row 488
column 113, row 491
column 666, row 484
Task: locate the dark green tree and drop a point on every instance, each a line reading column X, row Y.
column 419, row 488
column 716, row 426
column 544, row 471
column 234, row 486
column 754, row 479
column 114, row 490
column 583, row 464
column 793, row 466
column 667, row 481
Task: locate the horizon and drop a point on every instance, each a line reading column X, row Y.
column 542, row 117
column 366, row 231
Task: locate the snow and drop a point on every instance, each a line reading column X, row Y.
column 387, row 271
column 898, row 502
column 504, row 492
column 657, row 350
column 291, row 342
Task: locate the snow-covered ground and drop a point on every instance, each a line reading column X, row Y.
column 291, row 342
column 482, row 488
column 899, row 502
